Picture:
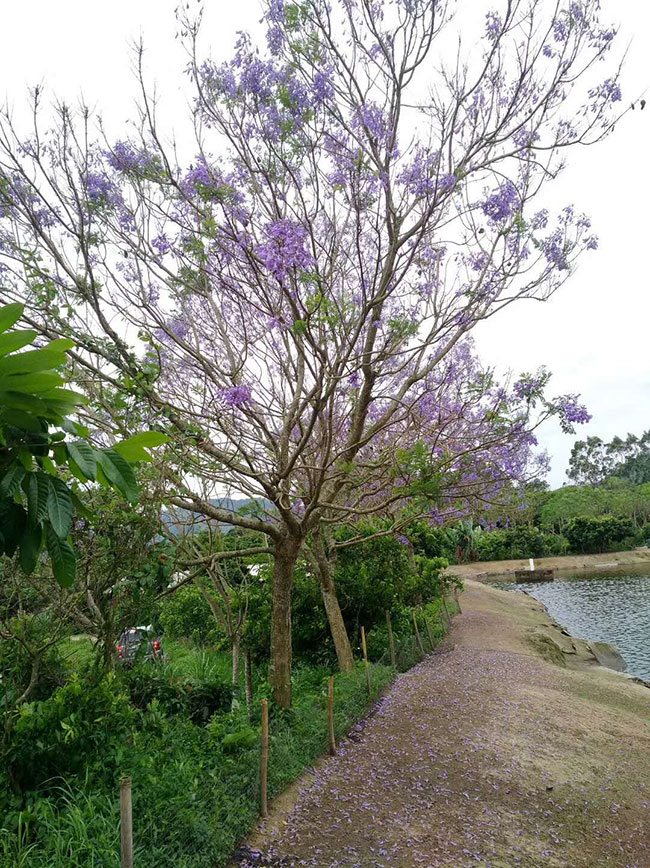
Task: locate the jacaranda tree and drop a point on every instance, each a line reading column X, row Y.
column 356, row 204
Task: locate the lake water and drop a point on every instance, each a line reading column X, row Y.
column 611, row 605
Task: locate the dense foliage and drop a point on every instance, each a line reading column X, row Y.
column 593, row 461
column 181, row 728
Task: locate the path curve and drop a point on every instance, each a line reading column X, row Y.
column 483, row 755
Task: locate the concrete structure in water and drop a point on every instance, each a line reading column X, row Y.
column 539, row 575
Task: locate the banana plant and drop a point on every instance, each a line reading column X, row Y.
column 39, row 440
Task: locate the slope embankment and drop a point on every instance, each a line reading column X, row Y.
column 485, row 754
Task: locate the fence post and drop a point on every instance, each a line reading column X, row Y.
column 429, row 634
column 365, row 659
column 457, row 601
column 444, row 603
column 417, row 633
column 264, row 761
column 330, row 714
column 391, row 641
column 126, row 822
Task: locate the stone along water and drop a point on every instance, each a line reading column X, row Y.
column 609, row 606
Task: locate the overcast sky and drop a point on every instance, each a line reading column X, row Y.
column 593, row 334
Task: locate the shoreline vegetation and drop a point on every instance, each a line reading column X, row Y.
column 481, row 570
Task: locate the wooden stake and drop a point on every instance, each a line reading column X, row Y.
column 264, row 761
column 417, row 633
column 457, row 601
column 126, row 822
column 330, row 714
column 391, row 641
column 429, row 633
column 444, row 603
column 365, row 659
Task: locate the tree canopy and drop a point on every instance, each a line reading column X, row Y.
column 290, row 303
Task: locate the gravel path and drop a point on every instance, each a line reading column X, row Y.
column 483, row 755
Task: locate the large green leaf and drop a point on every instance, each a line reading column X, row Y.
column 37, row 488
column 32, row 361
column 119, row 473
column 30, row 547
column 13, row 341
column 10, row 314
column 20, row 419
column 62, row 558
column 135, row 447
column 38, row 383
column 59, row 507
column 14, row 520
column 84, row 456
column 11, row 480
column 67, row 395
column 23, row 401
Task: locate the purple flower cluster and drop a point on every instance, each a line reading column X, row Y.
column 571, row 412
column 199, row 175
column 285, row 248
column 530, row 386
column 555, row 250
column 525, row 138
column 236, row 396
column 420, row 177
column 161, row 243
column 126, row 157
column 372, row 120
column 101, row 190
column 493, row 26
column 609, row 91
column 502, row 203
column 322, row 86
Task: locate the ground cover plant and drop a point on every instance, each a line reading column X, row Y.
column 193, row 760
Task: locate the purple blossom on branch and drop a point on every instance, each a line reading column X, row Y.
column 236, row 396
column 502, row 203
column 571, row 412
column 493, row 26
column 285, row 248
column 126, row 157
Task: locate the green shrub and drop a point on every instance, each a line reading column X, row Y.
column 57, row 737
column 598, row 534
column 16, row 664
column 195, row 788
column 197, row 699
column 184, row 614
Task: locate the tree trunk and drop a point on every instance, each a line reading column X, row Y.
column 248, row 679
column 323, row 567
column 286, row 555
column 235, row 672
column 338, row 630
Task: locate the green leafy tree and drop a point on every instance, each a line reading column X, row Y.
column 593, row 461
column 598, row 534
column 37, row 505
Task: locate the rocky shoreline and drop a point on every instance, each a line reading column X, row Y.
column 554, row 642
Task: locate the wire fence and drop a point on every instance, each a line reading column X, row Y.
column 230, row 791
column 195, row 791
